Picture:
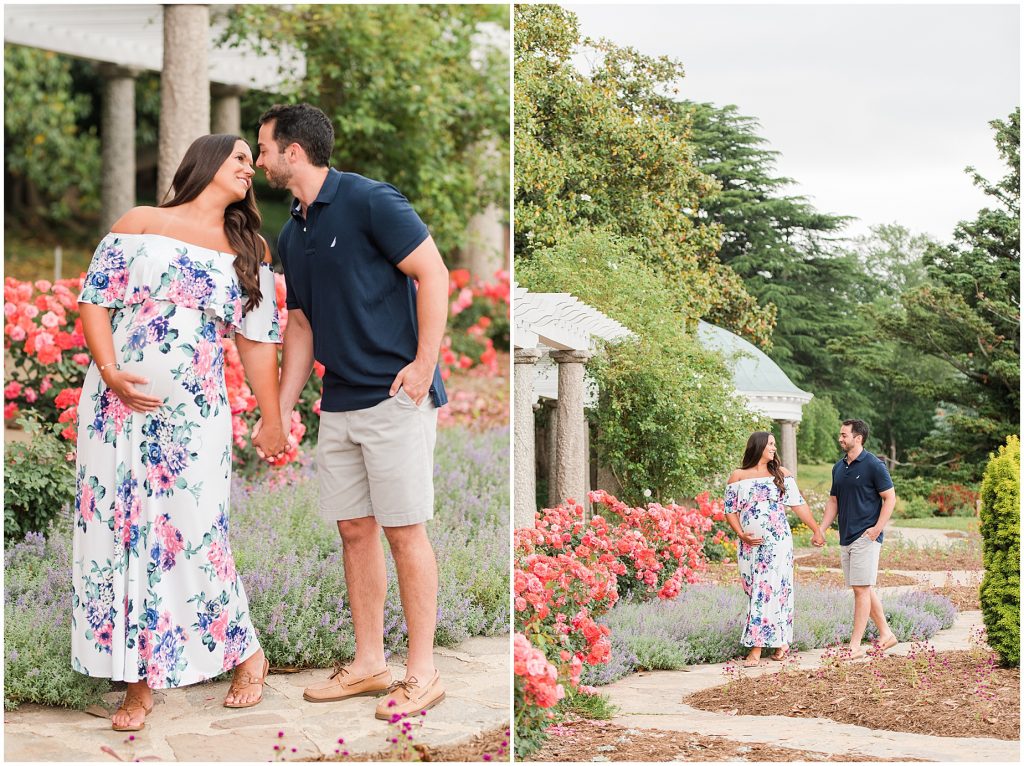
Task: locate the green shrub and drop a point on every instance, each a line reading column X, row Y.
column 1000, row 540
column 39, row 482
column 593, row 707
column 914, row 507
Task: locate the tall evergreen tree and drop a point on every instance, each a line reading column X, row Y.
column 968, row 318
column 786, row 251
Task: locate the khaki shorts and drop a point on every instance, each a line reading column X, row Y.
column 378, row 462
column 860, row 561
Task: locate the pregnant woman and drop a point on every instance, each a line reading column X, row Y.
column 157, row 601
column 755, row 508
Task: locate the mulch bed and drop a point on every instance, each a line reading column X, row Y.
column 494, row 743
column 725, row 573
column 587, row 740
column 957, row 557
column 964, row 597
column 935, row 695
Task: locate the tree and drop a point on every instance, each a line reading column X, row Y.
column 417, row 94
column 51, row 148
column 598, row 152
column 966, row 317
column 785, row 251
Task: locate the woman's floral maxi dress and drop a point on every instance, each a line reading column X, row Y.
column 766, row 570
column 156, row 594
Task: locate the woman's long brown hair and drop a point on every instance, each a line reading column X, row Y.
column 752, row 456
column 242, row 219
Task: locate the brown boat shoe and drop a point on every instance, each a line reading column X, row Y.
column 342, row 685
column 409, row 697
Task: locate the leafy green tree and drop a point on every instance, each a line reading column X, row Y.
column 598, row 151
column 418, row 97
column 883, row 371
column 51, row 148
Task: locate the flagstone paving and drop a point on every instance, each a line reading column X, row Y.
column 191, row 724
column 923, row 536
column 654, row 700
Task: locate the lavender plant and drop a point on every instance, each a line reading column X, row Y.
column 705, row 622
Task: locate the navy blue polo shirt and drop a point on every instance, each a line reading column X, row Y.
column 341, row 269
column 856, row 487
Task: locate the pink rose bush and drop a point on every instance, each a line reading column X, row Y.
column 570, row 571
column 44, row 341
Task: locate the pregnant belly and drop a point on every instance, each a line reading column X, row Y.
column 178, row 351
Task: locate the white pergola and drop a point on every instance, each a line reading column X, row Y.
column 182, row 43
column 554, row 336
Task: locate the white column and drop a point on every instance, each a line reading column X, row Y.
column 525, row 483
column 226, row 112
column 117, row 137
column 571, row 458
column 184, row 87
column 788, row 447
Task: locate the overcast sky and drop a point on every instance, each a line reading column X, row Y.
column 876, row 109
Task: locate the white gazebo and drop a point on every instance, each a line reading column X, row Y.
column 554, row 337
column 762, row 383
column 182, row 43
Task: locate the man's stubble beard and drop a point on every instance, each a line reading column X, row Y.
column 277, row 179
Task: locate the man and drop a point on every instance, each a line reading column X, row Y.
column 863, row 494
column 351, row 251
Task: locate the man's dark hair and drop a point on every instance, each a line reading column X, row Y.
column 858, row 428
column 305, row 125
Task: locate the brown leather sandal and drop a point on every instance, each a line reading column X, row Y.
column 128, row 706
column 245, row 678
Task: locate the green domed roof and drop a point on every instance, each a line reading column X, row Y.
column 753, row 371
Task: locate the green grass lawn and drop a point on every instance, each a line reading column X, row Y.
column 962, row 523
column 816, row 477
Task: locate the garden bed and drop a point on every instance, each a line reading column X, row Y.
column 590, row 740
column 726, row 573
column 908, row 556
column 964, row 597
column 945, row 694
column 704, row 624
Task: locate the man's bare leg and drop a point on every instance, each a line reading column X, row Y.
column 885, row 635
column 417, row 584
column 861, row 611
column 366, row 581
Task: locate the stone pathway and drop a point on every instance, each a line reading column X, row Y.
column 654, row 701
column 926, row 537
column 191, row 724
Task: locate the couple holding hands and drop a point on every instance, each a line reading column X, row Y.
column 756, row 498
column 157, row 600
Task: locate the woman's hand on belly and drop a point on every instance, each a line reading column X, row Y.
column 123, row 383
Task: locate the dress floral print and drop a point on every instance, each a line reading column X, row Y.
column 156, row 593
column 766, row 570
